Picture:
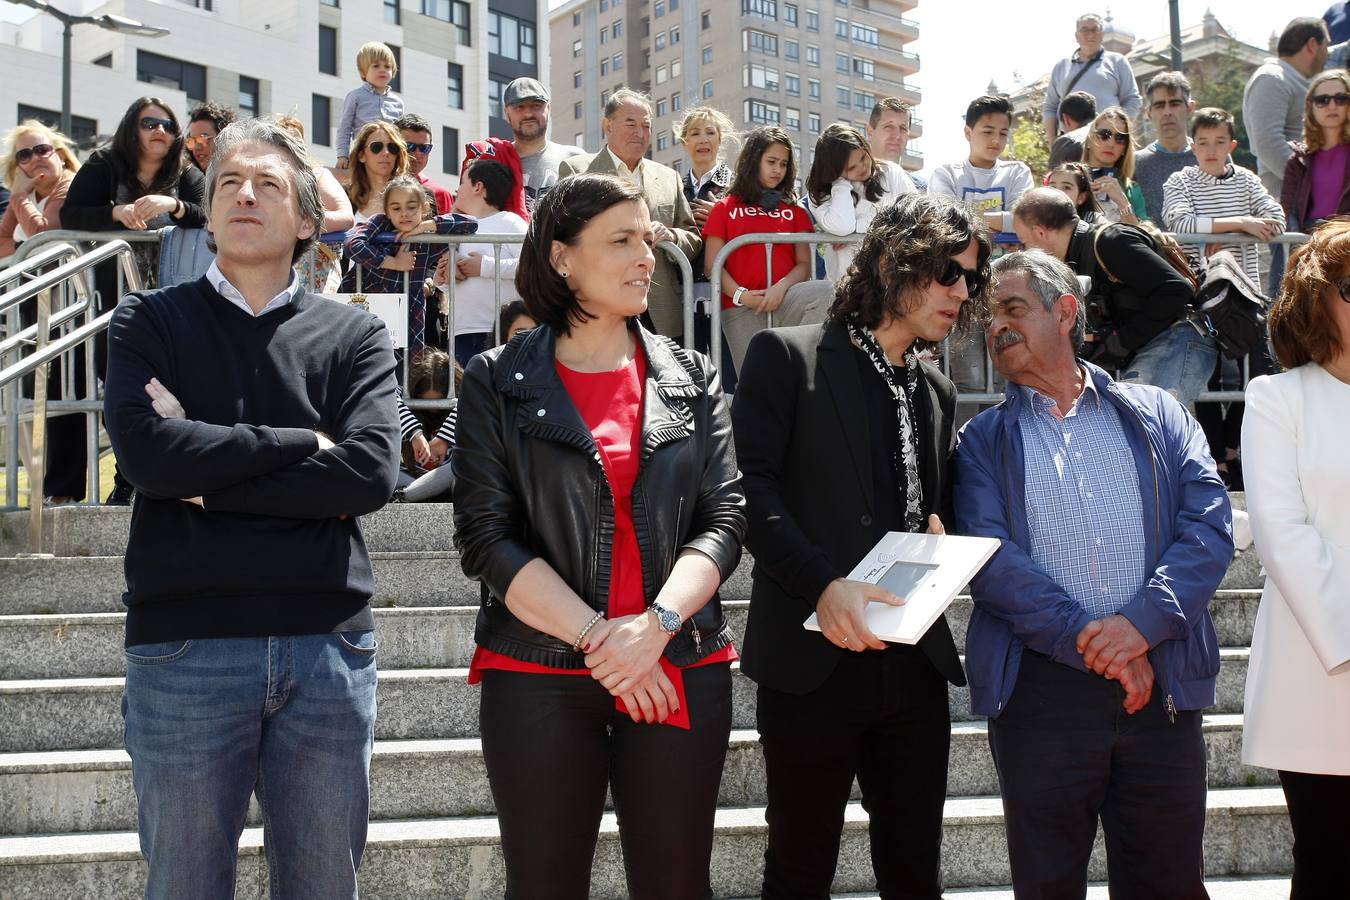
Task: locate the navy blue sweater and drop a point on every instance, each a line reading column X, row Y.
column 276, row 549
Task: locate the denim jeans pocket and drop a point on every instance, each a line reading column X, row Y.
column 361, row 642
column 158, row 653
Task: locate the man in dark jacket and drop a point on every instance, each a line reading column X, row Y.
column 256, row 422
column 1090, row 648
column 1138, row 311
column 843, row 435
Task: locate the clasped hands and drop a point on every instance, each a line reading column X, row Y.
column 1113, row 648
column 624, row 655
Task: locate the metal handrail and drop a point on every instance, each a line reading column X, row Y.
column 18, row 266
column 45, row 351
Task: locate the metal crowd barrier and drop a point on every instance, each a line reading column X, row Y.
column 990, row 394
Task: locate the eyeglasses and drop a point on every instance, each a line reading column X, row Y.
column 381, row 146
column 1322, row 101
column 41, row 151
column 1106, row 134
column 414, row 147
column 953, row 274
column 150, row 123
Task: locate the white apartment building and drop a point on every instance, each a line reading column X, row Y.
column 280, row 56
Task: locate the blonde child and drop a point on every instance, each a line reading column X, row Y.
column 373, row 101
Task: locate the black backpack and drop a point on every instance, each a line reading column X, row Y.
column 1232, row 306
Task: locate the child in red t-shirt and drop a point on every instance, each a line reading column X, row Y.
column 762, row 199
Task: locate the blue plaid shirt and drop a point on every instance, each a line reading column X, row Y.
column 1083, row 508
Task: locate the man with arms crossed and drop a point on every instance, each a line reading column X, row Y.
column 1090, row 648
column 256, row 421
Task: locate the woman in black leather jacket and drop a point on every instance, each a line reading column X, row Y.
column 597, row 499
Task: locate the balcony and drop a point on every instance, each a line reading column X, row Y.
column 895, row 58
column 886, row 87
column 906, row 29
column 912, row 161
column 915, row 127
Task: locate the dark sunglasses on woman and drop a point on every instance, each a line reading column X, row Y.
column 953, row 274
column 41, row 151
column 150, row 123
column 380, row 146
column 1322, row 101
column 1106, row 134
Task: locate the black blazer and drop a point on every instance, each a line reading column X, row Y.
column 805, row 453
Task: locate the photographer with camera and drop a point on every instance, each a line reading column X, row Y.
column 1139, row 313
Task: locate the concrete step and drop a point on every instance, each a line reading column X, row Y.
column 90, row 790
column 414, row 704
column 89, row 645
column 1247, row 833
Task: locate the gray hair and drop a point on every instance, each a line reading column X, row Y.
column 1090, row 17
column 623, row 97
column 292, row 150
column 1050, row 279
column 1175, row 82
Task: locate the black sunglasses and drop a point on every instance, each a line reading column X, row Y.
column 953, row 274
column 1106, row 134
column 1322, row 101
column 150, row 123
column 42, row 151
column 381, row 146
column 414, row 147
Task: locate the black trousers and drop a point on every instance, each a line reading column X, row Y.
column 553, row 743
column 883, row 717
column 1067, row 753
column 1317, row 812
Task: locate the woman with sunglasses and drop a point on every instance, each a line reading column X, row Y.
column 1108, row 151
column 378, row 155
column 37, row 168
column 1297, row 718
column 141, row 181
column 1317, row 176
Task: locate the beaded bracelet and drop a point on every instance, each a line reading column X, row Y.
column 576, row 645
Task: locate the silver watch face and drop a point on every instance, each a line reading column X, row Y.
column 668, row 619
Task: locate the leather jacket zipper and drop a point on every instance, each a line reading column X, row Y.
column 674, row 555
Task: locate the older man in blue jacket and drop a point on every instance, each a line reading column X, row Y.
column 1091, row 648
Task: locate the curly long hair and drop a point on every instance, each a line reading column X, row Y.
column 910, row 244
column 1312, row 132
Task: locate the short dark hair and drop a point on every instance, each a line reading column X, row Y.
column 1079, row 106
column 562, row 214
column 1212, row 117
column 511, row 311
column 215, row 113
column 1298, row 32
column 988, row 105
column 125, row 151
column 496, row 178
column 412, row 122
column 1047, row 208
column 1176, row 82
column 909, row 244
column 885, row 105
column 745, row 186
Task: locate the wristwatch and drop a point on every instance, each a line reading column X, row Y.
column 667, row 619
column 736, row 297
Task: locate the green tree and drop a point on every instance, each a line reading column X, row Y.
column 1220, row 82
column 1028, row 142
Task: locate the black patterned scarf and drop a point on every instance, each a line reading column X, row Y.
column 902, row 387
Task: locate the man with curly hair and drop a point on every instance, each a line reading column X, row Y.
column 844, row 434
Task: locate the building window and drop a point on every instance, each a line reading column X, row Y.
column 791, row 50
column 866, row 34
column 332, row 3
column 674, row 35
column 450, row 155
column 511, row 38
column 705, row 22
column 675, row 102
column 676, row 66
column 792, row 118
column 707, row 56
column 248, row 97
column 617, row 27
column 454, row 85
column 82, row 128
column 659, row 8
column 760, row 42
column 576, row 110
column 576, row 20
column 576, row 49
column 660, row 42
column 662, row 107
column 495, row 88
column 604, row 67
column 841, row 29
column 396, row 83
column 661, row 76
column 328, row 43
column 757, row 75
column 863, row 102
column 813, row 88
column 674, row 5
column 604, row 35
column 456, row 12
column 604, row 5
column 792, row 85
column 761, row 112
column 198, row 4
column 842, row 96
column 576, row 79
column 166, row 71
column 812, row 20
column 765, row 9
column 790, row 14
column 813, row 123
column 841, row 62
column 707, row 89
column 391, row 12
column 663, row 141
column 321, row 120
column 105, row 60
column 618, row 61
column 812, row 55
column 864, row 68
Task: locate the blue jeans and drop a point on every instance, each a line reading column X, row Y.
column 1180, row 361
column 209, row 722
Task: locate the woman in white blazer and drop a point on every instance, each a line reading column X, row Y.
column 1296, row 454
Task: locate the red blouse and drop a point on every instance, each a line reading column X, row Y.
column 610, row 403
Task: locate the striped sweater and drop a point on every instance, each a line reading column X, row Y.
column 1193, row 199
column 409, row 426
